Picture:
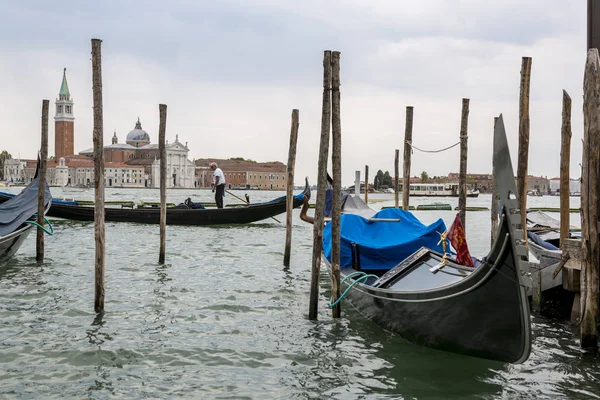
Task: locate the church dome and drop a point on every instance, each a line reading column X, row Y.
column 138, row 136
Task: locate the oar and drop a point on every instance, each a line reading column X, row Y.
column 239, row 198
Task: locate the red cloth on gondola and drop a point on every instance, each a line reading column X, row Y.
column 458, row 240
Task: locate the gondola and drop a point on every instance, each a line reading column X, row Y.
column 431, row 300
column 543, row 240
column 181, row 214
column 543, row 234
column 546, row 229
column 17, row 216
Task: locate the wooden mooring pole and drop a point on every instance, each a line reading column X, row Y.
column 162, row 149
column 366, row 184
column 462, row 176
column 39, row 244
column 321, row 188
column 407, row 153
column 590, row 202
column 99, row 229
column 336, row 166
column 289, row 205
column 565, row 159
column 593, row 24
column 357, row 183
column 396, row 178
column 523, row 158
column 494, row 206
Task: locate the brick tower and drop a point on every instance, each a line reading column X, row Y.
column 64, row 121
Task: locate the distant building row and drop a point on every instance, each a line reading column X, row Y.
column 243, row 174
column 75, row 171
column 136, row 163
column 125, row 165
column 483, row 183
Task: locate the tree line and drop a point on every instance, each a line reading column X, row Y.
column 4, row 155
column 384, row 180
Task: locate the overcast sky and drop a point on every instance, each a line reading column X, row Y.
column 232, row 71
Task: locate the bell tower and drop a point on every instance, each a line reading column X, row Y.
column 64, row 122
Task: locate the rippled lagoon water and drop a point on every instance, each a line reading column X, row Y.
column 223, row 318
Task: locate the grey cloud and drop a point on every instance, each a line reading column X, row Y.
column 263, row 41
column 236, row 68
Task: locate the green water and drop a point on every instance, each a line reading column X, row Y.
column 224, row 319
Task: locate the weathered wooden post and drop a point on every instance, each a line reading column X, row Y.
column 462, row 176
column 290, row 187
column 162, row 149
column 407, row 153
column 565, row 159
column 494, row 207
column 366, row 184
column 590, row 201
column 39, row 245
column 336, row 166
column 99, row 229
column 321, row 187
column 396, row 178
column 524, row 140
column 593, row 24
column 357, row 183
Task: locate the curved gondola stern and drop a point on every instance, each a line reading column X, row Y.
column 511, row 218
column 303, row 197
column 304, row 211
column 306, row 192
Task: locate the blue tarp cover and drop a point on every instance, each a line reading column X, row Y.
column 54, row 201
column 21, row 207
column 383, row 244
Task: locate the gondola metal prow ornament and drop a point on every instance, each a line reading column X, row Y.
column 443, row 242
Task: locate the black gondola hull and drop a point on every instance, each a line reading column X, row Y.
column 175, row 216
column 482, row 316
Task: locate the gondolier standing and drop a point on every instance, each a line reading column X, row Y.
column 218, row 184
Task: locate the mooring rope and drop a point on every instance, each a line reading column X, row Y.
column 49, row 232
column 412, row 146
column 363, row 277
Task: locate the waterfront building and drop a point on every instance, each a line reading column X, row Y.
column 481, row 182
column 73, row 171
column 242, row 174
column 64, row 121
column 574, row 186
column 14, row 170
column 538, row 184
column 138, row 152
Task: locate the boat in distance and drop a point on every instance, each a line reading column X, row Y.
column 437, row 190
column 427, row 297
column 181, row 214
